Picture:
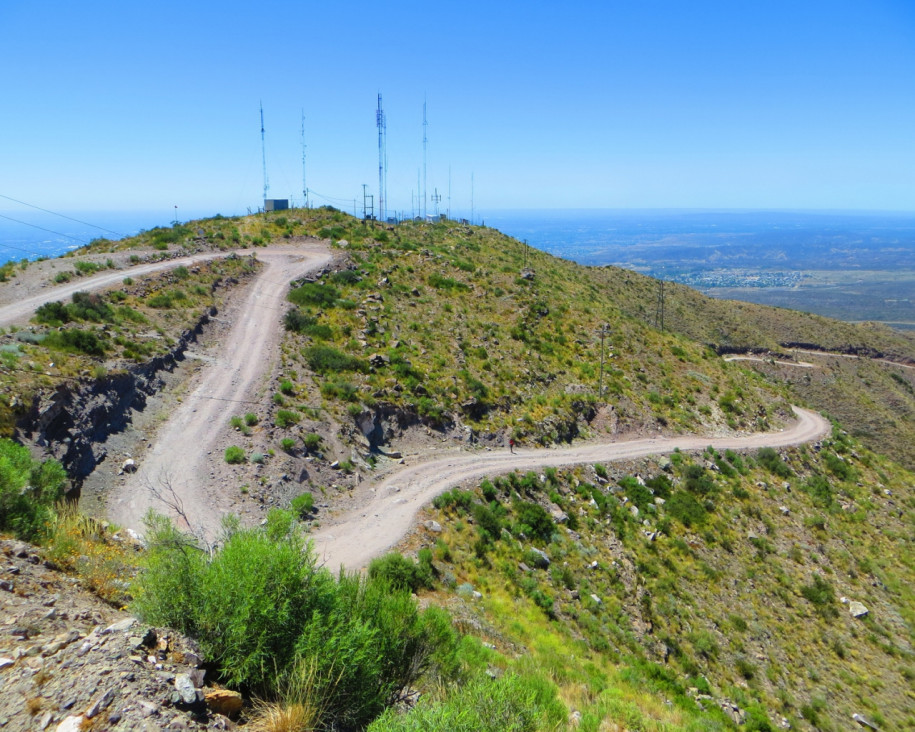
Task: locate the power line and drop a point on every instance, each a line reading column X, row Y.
column 35, row 226
column 54, row 213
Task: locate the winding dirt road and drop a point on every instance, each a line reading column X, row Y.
column 179, row 457
column 359, row 536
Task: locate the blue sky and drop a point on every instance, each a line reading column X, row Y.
column 126, row 106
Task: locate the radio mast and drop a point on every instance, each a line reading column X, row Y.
column 382, row 125
column 304, row 185
column 264, row 156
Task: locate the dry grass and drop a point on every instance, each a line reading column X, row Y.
column 80, row 544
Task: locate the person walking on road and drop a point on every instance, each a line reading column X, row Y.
column 511, row 445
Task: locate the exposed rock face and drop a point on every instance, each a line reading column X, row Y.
column 74, row 422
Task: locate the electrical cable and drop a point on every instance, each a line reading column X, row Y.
column 35, row 226
column 54, row 213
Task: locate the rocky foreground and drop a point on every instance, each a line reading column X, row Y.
column 68, row 661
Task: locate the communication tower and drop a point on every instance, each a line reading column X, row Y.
column 264, row 155
column 304, row 185
column 382, row 124
column 425, row 140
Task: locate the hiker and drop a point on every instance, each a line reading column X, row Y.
column 511, row 444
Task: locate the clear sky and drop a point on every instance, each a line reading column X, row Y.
column 656, row 103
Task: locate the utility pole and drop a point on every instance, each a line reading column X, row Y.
column 600, row 388
column 659, row 309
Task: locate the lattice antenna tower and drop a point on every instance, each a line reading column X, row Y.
column 425, row 140
column 304, row 184
column 382, row 125
column 264, row 156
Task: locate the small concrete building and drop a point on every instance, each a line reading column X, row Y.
column 276, row 204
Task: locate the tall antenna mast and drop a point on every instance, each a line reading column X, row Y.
column 425, row 140
column 264, row 156
column 471, row 199
column 304, row 186
column 449, row 191
column 380, row 123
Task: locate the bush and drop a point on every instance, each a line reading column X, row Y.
column 686, row 509
column 303, row 504
column 287, row 387
column 286, row 417
column 509, row 704
column 234, row 455
column 78, row 341
column 311, row 441
column 533, row 521
column 401, row 572
column 251, row 419
column 324, row 359
column 821, row 595
column 275, row 623
column 770, row 460
column 312, row 293
column 28, row 490
column 287, row 444
column 52, row 313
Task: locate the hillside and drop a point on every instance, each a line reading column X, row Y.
column 700, row 591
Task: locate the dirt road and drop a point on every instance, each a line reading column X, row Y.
column 359, row 536
column 180, row 455
column 36, row 294
column 179, row 459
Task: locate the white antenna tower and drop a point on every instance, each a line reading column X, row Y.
column 425, row 140
column 264, row 156
column 471, row 198
column 382, row 125
column 304, row 186
column 449, row 191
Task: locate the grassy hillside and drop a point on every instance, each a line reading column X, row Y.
column 698, row 592
column 700, row 580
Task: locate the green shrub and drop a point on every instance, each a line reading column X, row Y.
column 770, row 460
column 303, row 504
column 234, row 455
column 511, row 703
column 324, row 359
column 28, row 490
column 251, row 419
column 311, row 293
column 77, row 341
column 287, row 387
column 52, row 313
column 311, row 441
column 533, row 521
column 286, row 417
column 686, row 509
column 401, row 572
column 287, row 444
column 821, row 595
column 342, row 390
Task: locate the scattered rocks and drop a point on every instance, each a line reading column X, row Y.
column 225, row 702
column 542, row 560
column 434, row 526
column 857, row 609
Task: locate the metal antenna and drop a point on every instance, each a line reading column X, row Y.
column 659, row 309
column 304, row 186
column 471, row 198
column 264, row 156
column 436, row 199
column 425, row 140
column 449, row 191
column 380, row 123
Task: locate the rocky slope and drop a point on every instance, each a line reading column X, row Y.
column 68, row 661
